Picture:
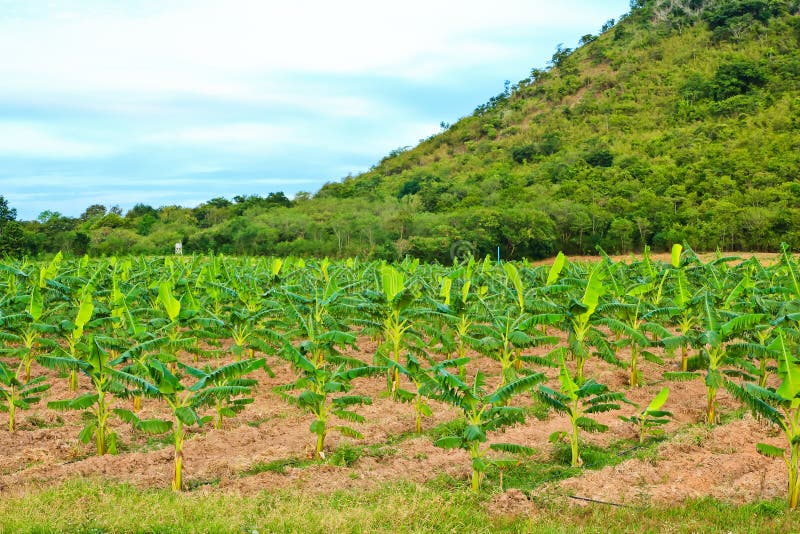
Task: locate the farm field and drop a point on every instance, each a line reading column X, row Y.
column 227, row 394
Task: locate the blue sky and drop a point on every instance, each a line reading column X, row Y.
column 179, row 101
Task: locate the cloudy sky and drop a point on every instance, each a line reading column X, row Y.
column 178, row 101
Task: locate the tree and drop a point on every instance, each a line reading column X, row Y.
column 12, row 239
column 140, row 210
column 95, row 210
column 7, row 213
column 600, row 157
column 620, row 234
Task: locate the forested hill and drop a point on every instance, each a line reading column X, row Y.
column 681, row 122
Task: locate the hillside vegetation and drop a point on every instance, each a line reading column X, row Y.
column 680, row 122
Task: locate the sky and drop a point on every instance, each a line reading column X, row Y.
column 168, row 102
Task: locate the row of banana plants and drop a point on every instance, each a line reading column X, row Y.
column 189, row 333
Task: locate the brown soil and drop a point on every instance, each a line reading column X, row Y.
column 695, row 461
column 698, row 462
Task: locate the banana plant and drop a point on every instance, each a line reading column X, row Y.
column 107, row 381
column 684, row 309
column 128, row 329
column 322, row 393
column 238, row 304
column 648, row 421
column 781, row 407
column 550, row 288
column 319, row 317
column 226, row 388
column 628, row 319
column 184, row 402
column 483, row 413
column 653, row 291
column 580, row 322
column 460, row 312
column 246, row 333
column 172, row 334
column 578, row 400
column 770, row 298
column 506, row 334
column 392, row 306
column 27, row 331
column 424, row 380
column 17, row 393
column 74, row 331
column 248, row 290
column 719, row 362
column 757, row 344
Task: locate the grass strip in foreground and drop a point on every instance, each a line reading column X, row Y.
column 96, row 506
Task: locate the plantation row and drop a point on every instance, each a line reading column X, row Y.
column 151, row 328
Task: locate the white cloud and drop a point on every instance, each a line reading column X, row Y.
column 231, row 47
column 31, row 140
column 236, row 137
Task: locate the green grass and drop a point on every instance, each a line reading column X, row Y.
column 733, row 415
column 277, row 466
column 344, row 456
column 256, row 423
column 348, row 455
column 94, row 506
column 36, row 422
column 528, row 474
column 538, row 409
column 151, row 443
column 450, row 428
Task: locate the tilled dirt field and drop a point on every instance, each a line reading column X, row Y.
column 694, row 460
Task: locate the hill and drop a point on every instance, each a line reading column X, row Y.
column 680, row 122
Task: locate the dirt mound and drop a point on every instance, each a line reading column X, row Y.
column 512, row 502
column 721, row 462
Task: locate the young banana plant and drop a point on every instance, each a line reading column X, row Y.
column 395, row 316
column 506, row 334
column 319, row 318
column 18, row 393
column 322, row 393
column 172, row 336
column 107, row 381
column 74, row 331
column 648, row 420
column 715, row 355
column 484, row 413
column 683, row 310
column 424, row 380
column 627, row 319
column 757, row 345
column 226, row 388
column 578, row 400
column 781, row 407
column 243, row 328
column 27, row 330
column 580, row 323
column 184, row 402
column 457, row 312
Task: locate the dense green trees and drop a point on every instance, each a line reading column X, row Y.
column 11, row 236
